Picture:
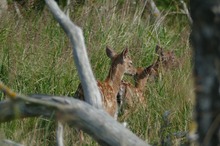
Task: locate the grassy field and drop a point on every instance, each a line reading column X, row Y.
column 36, row 57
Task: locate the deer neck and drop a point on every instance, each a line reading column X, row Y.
column 115, row 76
column 140, row 84
column 141, row 81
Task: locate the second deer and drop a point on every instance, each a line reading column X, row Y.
column 129, row 94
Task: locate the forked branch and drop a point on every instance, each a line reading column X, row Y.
column 97, row 123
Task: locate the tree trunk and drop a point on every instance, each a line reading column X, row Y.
column 205, row 39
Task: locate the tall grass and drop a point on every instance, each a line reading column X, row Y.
column 36, row 57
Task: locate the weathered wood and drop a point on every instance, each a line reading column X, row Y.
column 205, row 39
column 186, row 11
column 18, row 12
column 154, row 10
column 3, row 7
column 59, row 134
column 75, row 34
column 7, row 142
column 96, row 122
column 67, row 8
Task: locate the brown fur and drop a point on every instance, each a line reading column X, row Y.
column 167, row 59
column 129, row 95
column 120, row 64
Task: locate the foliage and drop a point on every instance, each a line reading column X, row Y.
column 171, row 5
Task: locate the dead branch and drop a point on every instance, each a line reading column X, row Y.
column 154, row 10
column 7, row 142
column 186, row 11
column 17, row 9
column 97, row 123
column 67, row 8
column 75, row 34
column 3, row 7
column 59, row 134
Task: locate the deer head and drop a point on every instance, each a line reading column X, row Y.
column 167, row 58
column 143, row 74
column 120, row 64
column 122, row 61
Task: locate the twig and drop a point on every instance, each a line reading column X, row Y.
column 186, row 11
column 154, row 10
column 67, row 8
column 59, row 134
column 7, row 142
column 7, row 91
column 17, row 9
column 3, row 7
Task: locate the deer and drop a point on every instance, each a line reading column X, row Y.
column 130, row 94
column 166, row 61
column 167, row 58
column 121, row 64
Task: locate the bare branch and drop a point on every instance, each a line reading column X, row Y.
column 7, row 91
column 7, row 142
column 67, row 8
column 154, row 10
column 186, row 11
column 17, row 9
column 3, row 7
column 97, row 123
column 75, row 34
column 59, row 134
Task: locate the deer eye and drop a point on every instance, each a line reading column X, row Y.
column 129, row 63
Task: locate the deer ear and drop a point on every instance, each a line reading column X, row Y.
column 172, row 52
column 148, row 69
column 124, row 53
column 110, row 53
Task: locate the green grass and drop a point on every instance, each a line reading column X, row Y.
column 36, row 57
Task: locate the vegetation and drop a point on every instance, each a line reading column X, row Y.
column 36, row 57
